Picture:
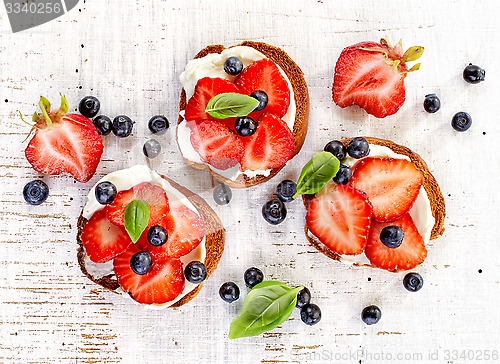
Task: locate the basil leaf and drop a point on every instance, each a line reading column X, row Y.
column 266, row 306
column 231, row 104
column 317, row 173
column 136, row 219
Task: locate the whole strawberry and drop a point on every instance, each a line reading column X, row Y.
column 371, row 75
column 64, row 142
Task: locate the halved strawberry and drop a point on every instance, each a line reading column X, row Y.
column 392, row 185
column 216, row 144
column 264, row 75
column 64, row 143
column 372, row 75
column 152, row 194
column 340, row 217
column 271, row 146
column 102, row 240
column 162, row 283
column 408, row 255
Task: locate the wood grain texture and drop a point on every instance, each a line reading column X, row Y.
column 130, row 55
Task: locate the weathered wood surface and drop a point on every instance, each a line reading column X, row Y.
column 130, row 55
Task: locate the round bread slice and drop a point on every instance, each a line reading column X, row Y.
column 214, row 244
column 301, row 95
column 430, row 185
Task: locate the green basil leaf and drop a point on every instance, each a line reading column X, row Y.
column 231, row 104
column 266, row 306
column 317, row 173
column 136, row 219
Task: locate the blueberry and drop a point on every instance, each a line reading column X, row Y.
column 358, row 148
column 337, row 148
column 303, row 298
column 89, row 106
column 157, row 235
column 310, row 314
column 122, row 126
column 158, row 124
column 371, row 315
column 253, row 276
column 151, row 148
column 195, row 272
column 431, row 103
column 473, row 74
column 413, row 282
column 285, row 190
column 222, row 194
column 233, row 66
column 274, row 211
column 105, row 192
column 392, row 236
column 35, row 192
column 103, row 124
column 245, row 126
column 229, row 292
column 141, row 263
column 262, row 97
column 461, row 121
column 343, row 176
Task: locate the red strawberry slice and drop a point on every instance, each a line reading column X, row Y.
column 102, row 240
column 64, row 143
column 216, row 144
column 271, row 146
column 408, row 255
column 162, row 283
column 152, row 194
column 264, row 75
column 392, row 185
column 372, row 75
column 340, row 217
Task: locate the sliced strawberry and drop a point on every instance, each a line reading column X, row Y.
column 271, row 146
column 392, row 185
column 264, row 75
column 64, row 143
column 152, row 194
column 340, row 217
column 216, row 144
column 102, row 240
column 408, row 255
column 162, row 283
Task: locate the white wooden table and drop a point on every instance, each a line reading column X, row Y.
column 130, row 54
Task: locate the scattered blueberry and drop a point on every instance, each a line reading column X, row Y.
column 158, row 124
column 151, row 148
column 392, row 236
column 303, row 298
column 413, row 282
column 337, row 148
column 141, row 263
column 358, row 148
column 343, row 176
column 35, row 192
column 157, row 235
column 432, row 103
column 105, row 192
column 89, row 106
column 103, row 124
column 473, row 74
column 253, row 276
column 285, row 190
column 195, row 272
column 233, row 66
column 262, row 97
column 461, row 121
column 229, row 292
column 245, row 126
column 222, row 194
column 371, row 315
column 122, row 126
column 310, row 314
column 274, row 211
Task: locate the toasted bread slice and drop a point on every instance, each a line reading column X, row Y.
column 214, row 244
column 430, row 185
column 301, row 95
